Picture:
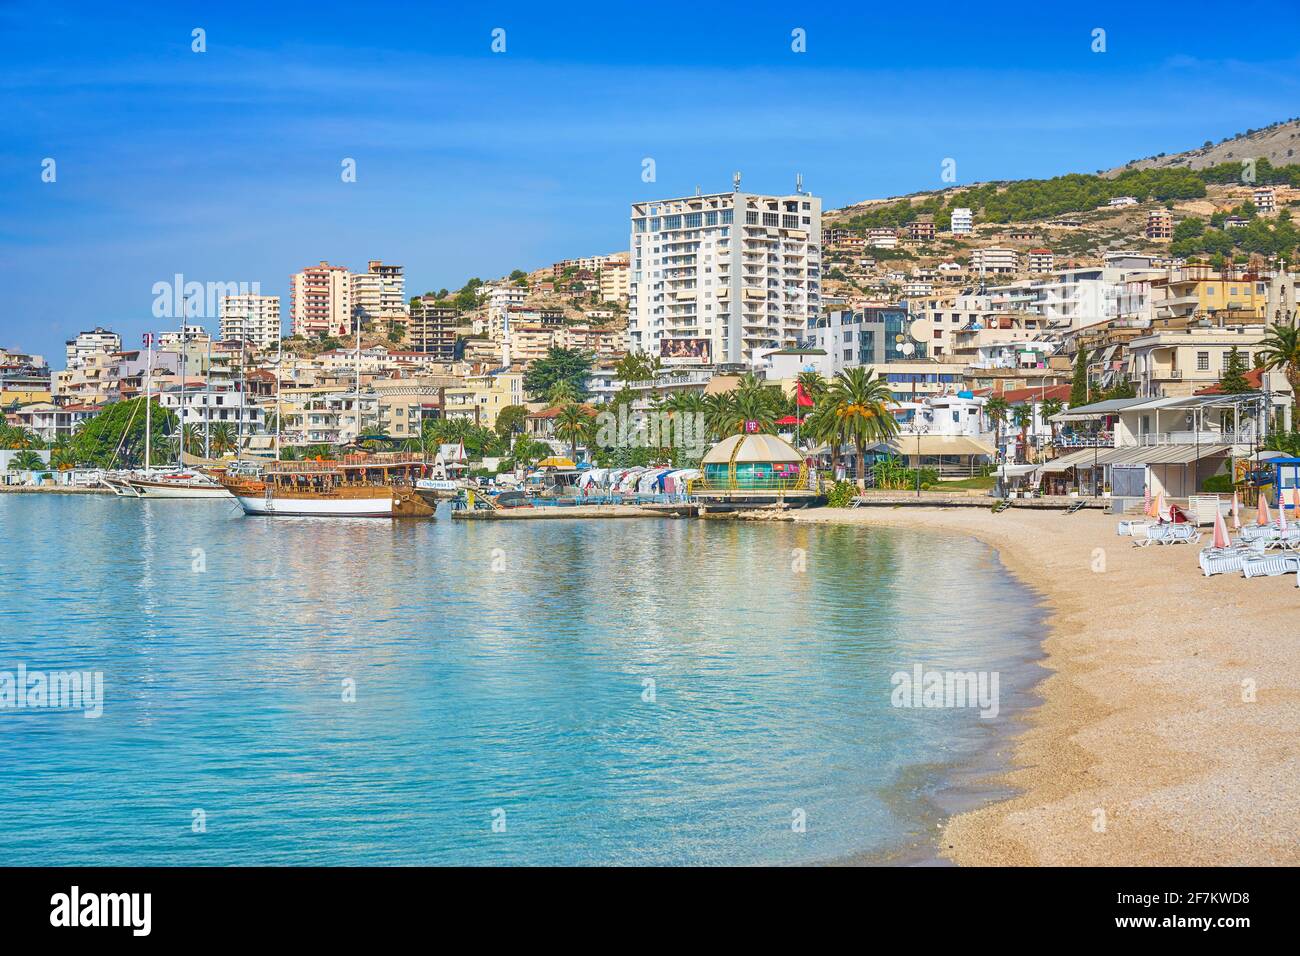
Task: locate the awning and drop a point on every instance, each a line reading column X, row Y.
column 1135, row 455
column 933, row 445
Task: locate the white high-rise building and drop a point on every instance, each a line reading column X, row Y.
column 725, row 277
column 250, row 318
column 379, row 294
column 963, row 221
column 98, row 339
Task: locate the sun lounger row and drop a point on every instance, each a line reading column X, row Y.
column 1167, row 534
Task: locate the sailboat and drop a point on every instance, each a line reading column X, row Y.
column 166, row 483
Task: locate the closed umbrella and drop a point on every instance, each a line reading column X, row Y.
column 1236, row 511
column 1281, row 513
column 1262, row 516
column 1221, row 539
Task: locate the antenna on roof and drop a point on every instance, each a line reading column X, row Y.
column 798, row 183
column 697, row 190
column 735, row 181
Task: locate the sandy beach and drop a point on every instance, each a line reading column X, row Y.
column 1145, row 749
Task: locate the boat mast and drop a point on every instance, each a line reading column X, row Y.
column 207, row 405
column 148, row 403
column 180, row 423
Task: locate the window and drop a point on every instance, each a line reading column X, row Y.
column 1202, row 361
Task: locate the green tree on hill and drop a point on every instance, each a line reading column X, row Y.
column 1079, row 384
column 1233, row 380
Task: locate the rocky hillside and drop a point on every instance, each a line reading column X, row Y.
column 1279, row 144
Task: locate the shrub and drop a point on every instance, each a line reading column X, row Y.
column 841, row 496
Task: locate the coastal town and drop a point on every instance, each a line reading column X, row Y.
column 1129, row 335
column 644, row 437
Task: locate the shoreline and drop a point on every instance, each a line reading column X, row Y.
column 1142, row 730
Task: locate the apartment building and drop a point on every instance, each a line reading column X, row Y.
column 882, row 239
column 963, row 222
column 1039, row 261
column 99, row 339
column 433, row 328
column 1160, row 224
column 482, row 397
column 723, row 277
column 921, row 228
column 867, row 336
column 1195, row 291
column 320, row 301
column 1265, row 199
column 994, row 261
column 615, row 281
column 1177, row 362
column 250, row 318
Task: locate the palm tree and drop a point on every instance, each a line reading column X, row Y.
column 718, row 413
column 16, row 438
column 1050, row 408
column 1023, row 416
column 562, row 393
column 26, row 460
column 823, row 426
column 996, row 409
column 222, row 439
column 1280, row 349
column 571, row 426
column 861, row 401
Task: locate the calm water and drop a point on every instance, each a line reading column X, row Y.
column 478, row 690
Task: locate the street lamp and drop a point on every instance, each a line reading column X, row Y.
column 920, row 428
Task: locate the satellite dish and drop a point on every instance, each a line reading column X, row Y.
column 907, row 348
column 921, row 330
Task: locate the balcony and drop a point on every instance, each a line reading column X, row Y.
column 1245, row 436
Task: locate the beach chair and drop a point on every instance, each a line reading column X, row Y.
column 1169, row 534
column 1223, row 560
column 1130, row 526
column 1253, row 532
column 1076, row 506
column 1270, row 565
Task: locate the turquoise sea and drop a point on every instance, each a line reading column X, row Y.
column 559, row 692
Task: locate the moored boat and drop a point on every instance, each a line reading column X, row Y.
column 178, row 485
column 358, row 486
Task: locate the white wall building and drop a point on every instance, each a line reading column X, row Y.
column 723, row 277
column 254, row 319
column 963, row 221
column 98, row 339
column 320, row 301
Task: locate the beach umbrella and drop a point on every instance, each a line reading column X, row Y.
column 1262, row 517
column 1221, row 539
column 1156, row 509
column 1295, row 499
column 1236, row 511
column 1146, row 500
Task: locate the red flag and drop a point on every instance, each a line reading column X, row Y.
column 801, row 397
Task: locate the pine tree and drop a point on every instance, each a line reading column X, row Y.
column 1233, row 380
column 1079, row 386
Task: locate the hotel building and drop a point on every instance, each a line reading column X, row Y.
column 320, row 301
column 250, row 318
column 725, row 277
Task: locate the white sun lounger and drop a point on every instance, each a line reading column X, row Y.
column 1131, row 526
column 1223, row 560
column 1169, row 534
column 1270, row 565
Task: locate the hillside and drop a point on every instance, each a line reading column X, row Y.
column 1279, row 144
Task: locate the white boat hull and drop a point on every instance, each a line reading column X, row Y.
column 176, row 489
column 317, row 507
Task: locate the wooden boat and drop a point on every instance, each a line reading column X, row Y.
column 358, row 486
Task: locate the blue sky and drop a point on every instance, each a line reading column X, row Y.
column 225, row 166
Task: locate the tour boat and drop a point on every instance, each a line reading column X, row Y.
column 358, row 486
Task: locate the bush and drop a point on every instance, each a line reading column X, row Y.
column 841, row 496
column 1217, row 484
